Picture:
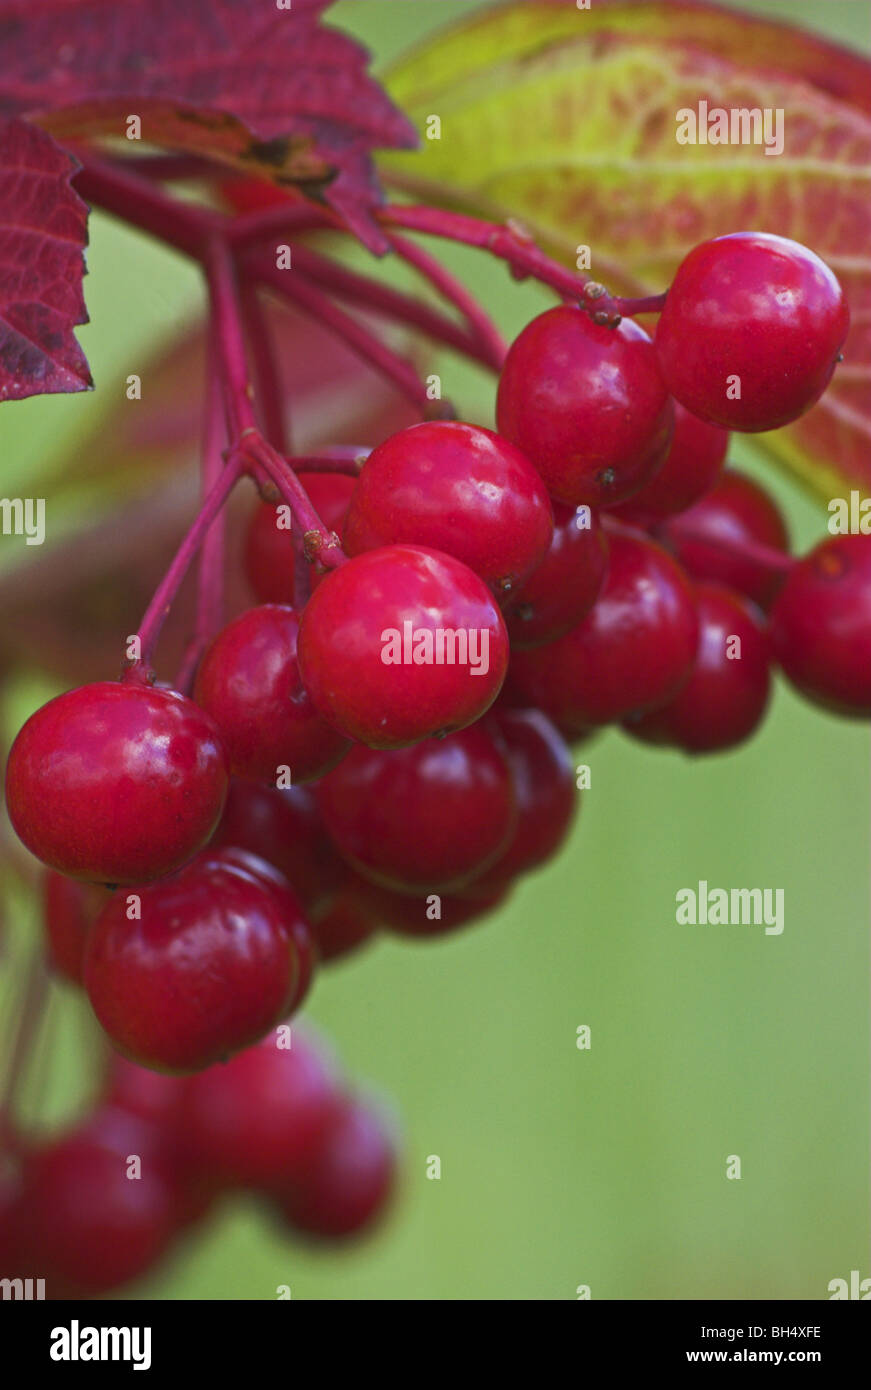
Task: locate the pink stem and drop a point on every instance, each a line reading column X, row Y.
column 763, row 555
column 347, row 459
column 137, row 201
column 227, row 329
column 270, row 393
column 30, row 1015
column 210, row 585
column 484, row 330
column 381, row 299
column 319, row 543
column 359, row 338
column 158, row 608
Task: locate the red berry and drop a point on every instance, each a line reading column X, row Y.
column 350, row 1180
column 632, row 652
column 566, row 584
column 709, row 539
column 428, row 817
column 587, row 405
column 821, row 625
column 726, row 696
column 70, row 909
column 284, row 827
column 456, row 488
column 249, row 682
column 258, row 1120
column 90, row 1227
column 759, row 310
column 345, row 921
column 401, row 643
column 419, row 917
column 205, row 969
column 269, row 553
column 692, row 467
column 299, row 930
column 116, row 782
column 544, row 784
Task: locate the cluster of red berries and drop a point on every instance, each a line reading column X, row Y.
column 100, row 1204
column 393, row 751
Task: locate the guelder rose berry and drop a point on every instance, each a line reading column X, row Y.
column 197, row 967
column 632, row 652
column 401, row 643
column 456, row 488
column 431, row 816
column 566, row 584
column 726, row 696
column 751, row 331
column 821, row 625
column 587, row 405
column 116, row 782
column 249, row 682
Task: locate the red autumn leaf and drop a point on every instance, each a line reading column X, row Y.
column 43, row 232
column 271, row 89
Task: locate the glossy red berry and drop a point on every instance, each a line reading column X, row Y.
column 587, row 405
column 350, row 1180
column 457, row 488
column 401, row 643
column 751, row 331
column 691, row 468
column 269, row 553
column 423, row 918
column 90, row 1226
column 726, row 696
column 70, row 909
column 116, row 782
column 711, row 538
column 204, row 969
column 283, row 826
column 566, row 584
column 345, row 921
column 632, row 652
column 543, row 771
column 249, row 683
column 428, row 817
column 258, row 1120
column 821, row 625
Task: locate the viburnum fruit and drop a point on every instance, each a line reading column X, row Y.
column 70, row 909
column 345, row 920
column 566, row 584
column 249, row 682
column 185, row 972
column 457, row 488
column 88, row 1226
column 751, row 331
column 428, row 817
column 544, row 784
column 418, row 918
column 350, row 1178
column 587, row 405
column 116, row 782
column 632, row 652
column 716, row 538
column 726, row 696
column 258, row 1119
column 821, row 625
column 401, row 643
column 691, row 468
column 269, row 556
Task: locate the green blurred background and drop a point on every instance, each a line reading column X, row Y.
column 563, row 1167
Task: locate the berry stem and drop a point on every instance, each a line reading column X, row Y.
column 382, row 299
column 227, row 331
column 765, row 556
column 210, row 581
column 343, row 458
column 360, row 339
column 137, row 201
column 158, row 608
column 31, row 1010
column 485, row 333
column 270, row 394
column 318, row 542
